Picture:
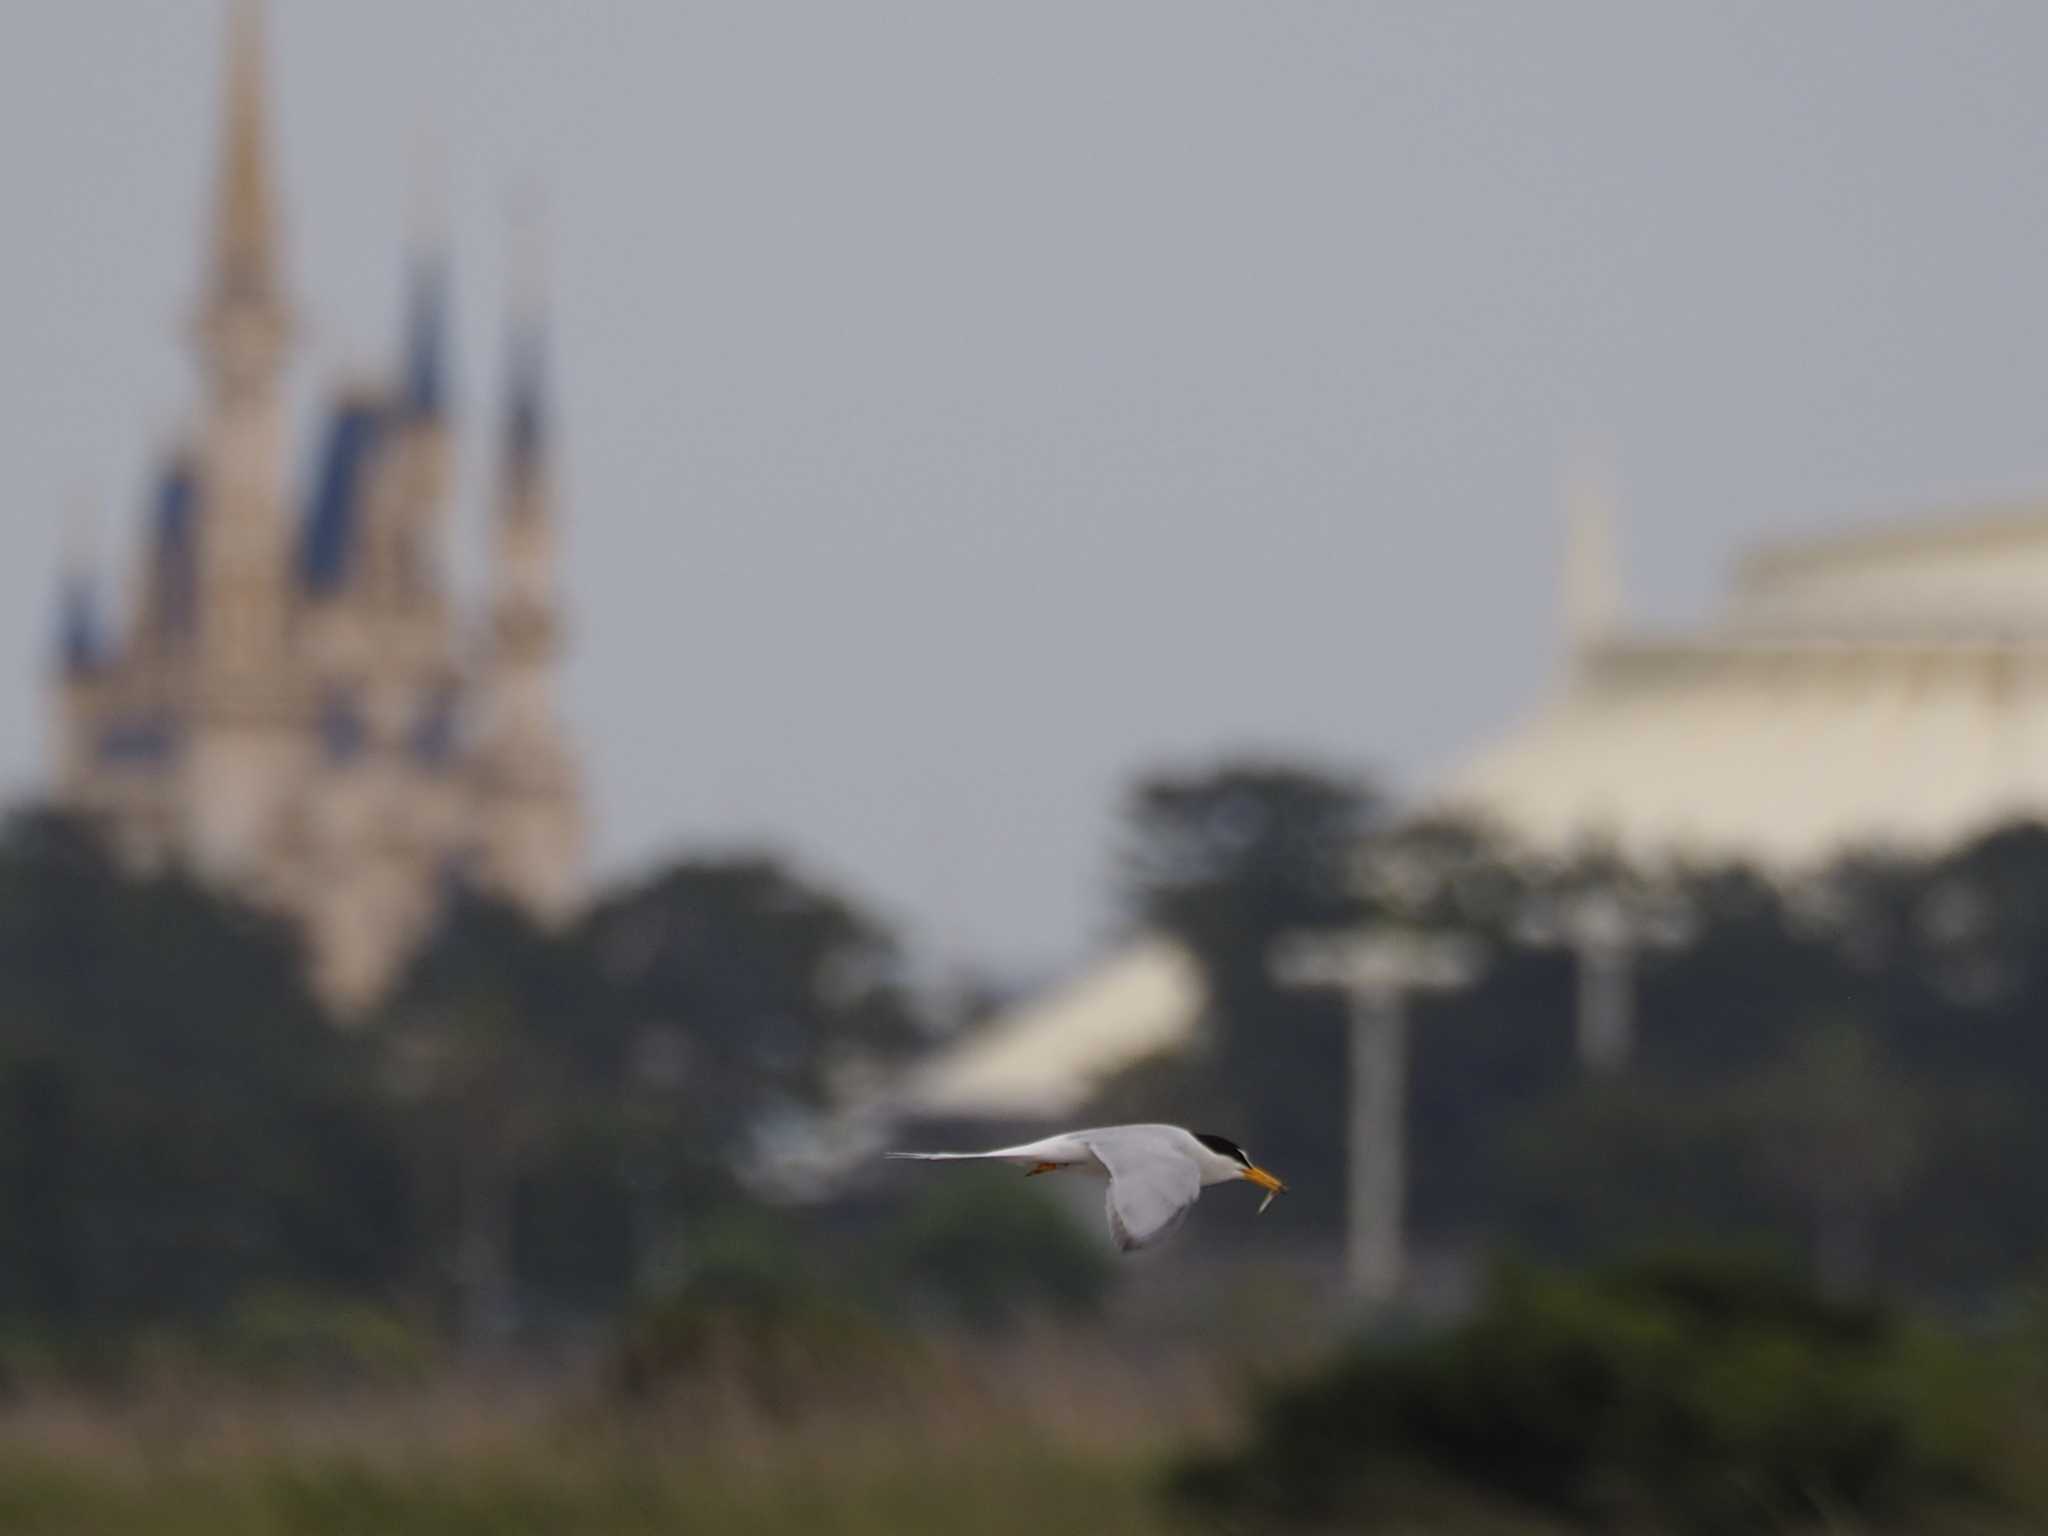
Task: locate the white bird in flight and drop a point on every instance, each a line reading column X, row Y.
column 1155, row 1172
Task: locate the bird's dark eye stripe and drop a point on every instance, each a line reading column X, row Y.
column 1223, row 1146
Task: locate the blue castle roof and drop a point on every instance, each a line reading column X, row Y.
column 142, row 741
column 175, row 555
column 81, row 645
column 338, row 487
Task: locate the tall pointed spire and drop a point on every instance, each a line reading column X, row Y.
column 80, row 640
column 530, row 820
column 1592, row 587
column 79, row 664
column 526, row 402
column 426, row 337
column 229, row 589
column 425, row 382
column 526, row 373
column 245, row 257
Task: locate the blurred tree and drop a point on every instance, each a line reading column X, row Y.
column 1481, row 1059
column 1450, row 873
column 992, row 1261
column 1224, row 858
column 1679, row 1146
column 496, row 1039
column 1229, row 861
column 1949, row 979
column 759, row 992
column 1840, row 1129
column 180, row 1126
column 181, row 1122
column 1725, row 1004
column 1697, row 1394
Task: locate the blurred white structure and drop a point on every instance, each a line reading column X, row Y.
column 1376, row 970
column 1885, row 687
column 1029, row 1068
column 1882, row 687
column 1046, row 1057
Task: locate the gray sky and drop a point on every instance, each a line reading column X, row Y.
column 967, row 405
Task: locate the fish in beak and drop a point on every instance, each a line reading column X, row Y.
column 1267, row 1182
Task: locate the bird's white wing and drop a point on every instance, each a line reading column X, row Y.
column 1153, row 1183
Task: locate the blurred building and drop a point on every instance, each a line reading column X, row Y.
column 1047, row 1056
column 1033, row 1064
column 287, row 703
column 1885, row 687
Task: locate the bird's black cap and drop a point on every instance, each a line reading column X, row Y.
column 1223, row 1146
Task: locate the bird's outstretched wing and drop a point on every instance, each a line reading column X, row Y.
column 1152, row 1186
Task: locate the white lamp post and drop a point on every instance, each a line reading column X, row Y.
column 1376, row 969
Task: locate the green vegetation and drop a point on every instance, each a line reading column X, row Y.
column 1847, row 1071
column 533, row 1134
column 1688, row 1396
column 540, row 1164
column 180, row 1126
column 988, row 1262
column 889, row 1491
column 189, row 1147
column 759, row 1315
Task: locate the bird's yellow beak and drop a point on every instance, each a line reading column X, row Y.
column 1265, row 1181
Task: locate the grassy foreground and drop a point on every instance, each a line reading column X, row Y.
column 1025, row 1490
column 1046, row 1434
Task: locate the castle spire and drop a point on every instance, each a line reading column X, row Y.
column 243, row 320
column 78, row 666
column 530, row 815
column 426, row 336
column 526, row 398
column 526, row 376
column 1592, row 588
column 80, row 648
column 235, row 552
column 524, row 572
column 425, row 396
column 245, row 258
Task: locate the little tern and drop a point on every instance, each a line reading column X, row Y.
column 1155, row 1172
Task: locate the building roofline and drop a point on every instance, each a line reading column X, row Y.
column 1986, row 525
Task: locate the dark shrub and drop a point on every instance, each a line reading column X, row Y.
column 1682, row 1395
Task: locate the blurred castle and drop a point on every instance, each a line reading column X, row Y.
column 290, row 708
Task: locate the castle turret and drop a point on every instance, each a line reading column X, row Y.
column 529, row 819
column 422, row 446
column 79, row 663
column 385, row 806
column 426, row 338
column 237, row 763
